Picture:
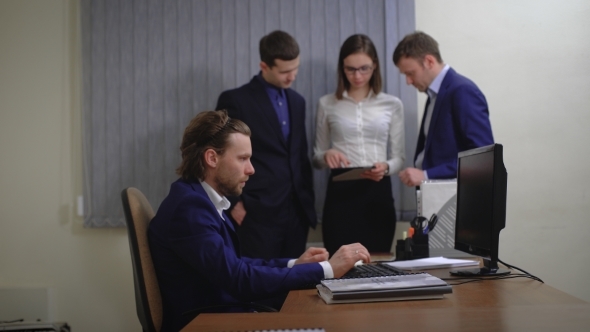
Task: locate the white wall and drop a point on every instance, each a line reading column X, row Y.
column 42, row 242
column 532, row 61
column 529, row 58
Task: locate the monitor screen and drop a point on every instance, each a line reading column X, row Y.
column 481, row 205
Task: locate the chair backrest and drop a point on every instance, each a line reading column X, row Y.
column 138, row 214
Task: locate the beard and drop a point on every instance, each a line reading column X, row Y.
column 228, row 186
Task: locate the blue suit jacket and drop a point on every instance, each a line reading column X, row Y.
column 281, row 167
column 197, row 261
column 460, row 121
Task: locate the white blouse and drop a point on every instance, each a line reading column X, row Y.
column 361, row 130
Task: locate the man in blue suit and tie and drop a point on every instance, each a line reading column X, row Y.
column 277, row 207
column 194, row 245
column 456, row 117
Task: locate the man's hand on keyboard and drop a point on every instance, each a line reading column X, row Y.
column 344, row 259
column 313, row 255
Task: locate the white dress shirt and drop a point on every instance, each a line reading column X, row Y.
column 361, row 130
column 432, row 93
column 221, row 203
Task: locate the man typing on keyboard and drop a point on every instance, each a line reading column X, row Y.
column 194, row 245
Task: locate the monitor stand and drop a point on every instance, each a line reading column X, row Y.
column 489, row 269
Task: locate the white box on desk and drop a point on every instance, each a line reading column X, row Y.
column 440, row 197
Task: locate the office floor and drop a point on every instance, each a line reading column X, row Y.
column 314, row 239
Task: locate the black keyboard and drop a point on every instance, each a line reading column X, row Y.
column 372, row 270
column 367, row 271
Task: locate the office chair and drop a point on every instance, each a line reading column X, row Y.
column 148, row 301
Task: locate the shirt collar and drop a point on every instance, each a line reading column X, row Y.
column 220, row 202
column 436, row 83
column 345, row 95
column 270, row 87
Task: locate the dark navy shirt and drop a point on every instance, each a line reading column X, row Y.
column 278, row 98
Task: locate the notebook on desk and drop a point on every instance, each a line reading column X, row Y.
column 366, row 271
column 432, row 263
column 418, row 286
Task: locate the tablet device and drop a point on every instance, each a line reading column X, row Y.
column 352, row 173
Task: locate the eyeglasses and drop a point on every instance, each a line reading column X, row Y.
column 364, row 70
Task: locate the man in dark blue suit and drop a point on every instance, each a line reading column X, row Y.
column 456, row 117
column 193, row 244
column 276, row 209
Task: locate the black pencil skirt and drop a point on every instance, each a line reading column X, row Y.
column 358, row 211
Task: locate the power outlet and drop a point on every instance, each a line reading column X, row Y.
column 80, row 206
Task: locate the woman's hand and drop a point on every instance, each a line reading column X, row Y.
column 376, row 173
column 238, row 212
column 336, row 159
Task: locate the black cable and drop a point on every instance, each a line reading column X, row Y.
column 464, row 282
column 491, row 277
column 521, row 270
column 483, row 278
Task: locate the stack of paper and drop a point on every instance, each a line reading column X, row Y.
column 393, row 288
column 432, row 263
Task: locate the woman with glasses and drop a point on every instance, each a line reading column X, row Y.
column 359, row 126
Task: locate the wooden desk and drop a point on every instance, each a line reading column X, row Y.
column 493, row 305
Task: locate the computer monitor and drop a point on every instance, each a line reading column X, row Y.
column 481, row 207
